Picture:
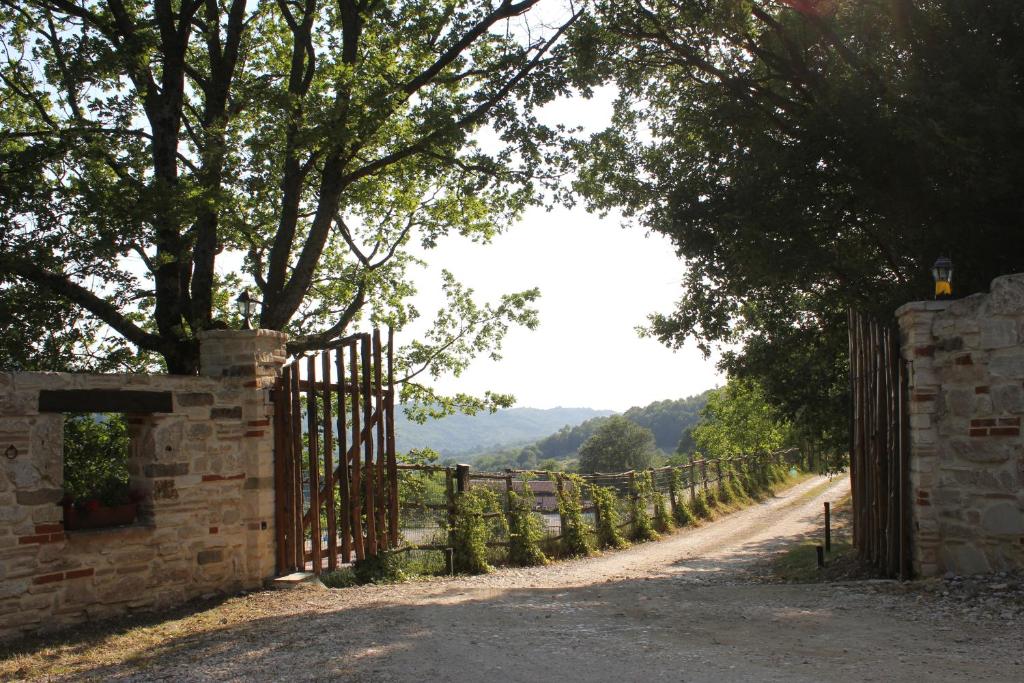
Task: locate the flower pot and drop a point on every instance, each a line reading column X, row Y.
column 99, row 517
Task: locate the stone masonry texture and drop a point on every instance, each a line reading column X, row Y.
column 203, row 526
column 966, row 376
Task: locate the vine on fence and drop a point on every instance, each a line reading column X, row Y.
column 575, row 532
column 642, row 493
column 682, row 514
column 524, row 530
column 662, row 519
column 469, row 530
column 700, row 505
column 606, row 510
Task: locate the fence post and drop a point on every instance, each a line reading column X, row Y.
column 673, row 483
column 449, row 489
column 635, row 497
column 461, row 477
column 560, row 487
column 828, row 527
column 693, row 481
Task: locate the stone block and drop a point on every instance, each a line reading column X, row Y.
column 1007, row 398
column 965, row 559
column 1007, row 295
column 975, row 450
column 1007, row 366
column 998, row 333
column 1003, row 518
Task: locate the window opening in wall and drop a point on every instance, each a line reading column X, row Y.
column 97, row 491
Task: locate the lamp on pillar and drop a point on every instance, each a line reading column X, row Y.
column 942, row 273
column 245, row 304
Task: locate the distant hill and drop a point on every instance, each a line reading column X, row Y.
column 457, row 435
column 670, row 420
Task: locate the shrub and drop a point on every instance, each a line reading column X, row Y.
column 469, row 531
column 96, row 458
column 524, row 531
column 575, row 532
column 642, row 493
column 606, row 505
column 385, row 567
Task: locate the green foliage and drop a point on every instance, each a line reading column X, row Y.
column 806, row 161
column 683, row 515
column 524, row 530
column 641, row 496
column 618, row 445
column 96, row 458
column 738, row 420
column 470, row 532
column 385, row 567
column 417, row 488
column 307, row 150
column 606, row 504
column 575, row 532
column 728, row 489
column 662, row 518
column 700, row 505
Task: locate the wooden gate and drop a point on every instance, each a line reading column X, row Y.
column 879, row 447
column 335, row 471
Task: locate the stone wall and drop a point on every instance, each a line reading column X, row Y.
column 204, row 469
column 966, row 375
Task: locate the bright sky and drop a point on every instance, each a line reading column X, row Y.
column 598, row 282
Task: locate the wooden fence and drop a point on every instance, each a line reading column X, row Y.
column 879, row 470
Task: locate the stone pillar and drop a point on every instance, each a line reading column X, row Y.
column 917, row 348
column 248, row 362
column 966, row 376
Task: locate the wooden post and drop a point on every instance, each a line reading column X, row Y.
column 281, row 483
column 369, row 470
column 821, row 556
column 393, row 522
column 313, row 435
column 383, row 514
column 704, row 474
column 357, row 440
column 332, row 511
column 299, row 530
column 673, row 482
column 461, row 478
column 508, row 491
column 828, row 527
column 345, row 484
column 693, row 481
column 449, row 489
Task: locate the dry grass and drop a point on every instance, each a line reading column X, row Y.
column 131, row 640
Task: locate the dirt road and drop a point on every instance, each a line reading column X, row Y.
column 688, row 608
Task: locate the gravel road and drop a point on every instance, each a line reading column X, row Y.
column 692, row 607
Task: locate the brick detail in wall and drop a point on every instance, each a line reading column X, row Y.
column 991, row 426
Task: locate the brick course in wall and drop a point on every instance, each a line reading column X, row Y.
column 205, row 470
column 966, row 374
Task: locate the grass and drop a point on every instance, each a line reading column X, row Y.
column 799, row 562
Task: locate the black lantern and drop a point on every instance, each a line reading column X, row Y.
column 942, row 273
column 245, row 305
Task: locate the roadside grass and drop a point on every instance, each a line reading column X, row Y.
column 799, row 562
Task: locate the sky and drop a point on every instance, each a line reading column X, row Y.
column 598, row 282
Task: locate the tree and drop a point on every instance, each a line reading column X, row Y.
column 738, row 420
column 153, row 157
column 618, row 445
column 806, row 157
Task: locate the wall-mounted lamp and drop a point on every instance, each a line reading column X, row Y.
column 11, row 453
column 942, row 273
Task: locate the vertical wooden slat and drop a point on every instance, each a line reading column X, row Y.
column 344, row 485
column 356, row 491
column 393, row 522
column 281, row 482
column 382, row 488
column 296, row 435
column 332, row 522
column 313, row 437
column 368, row 474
